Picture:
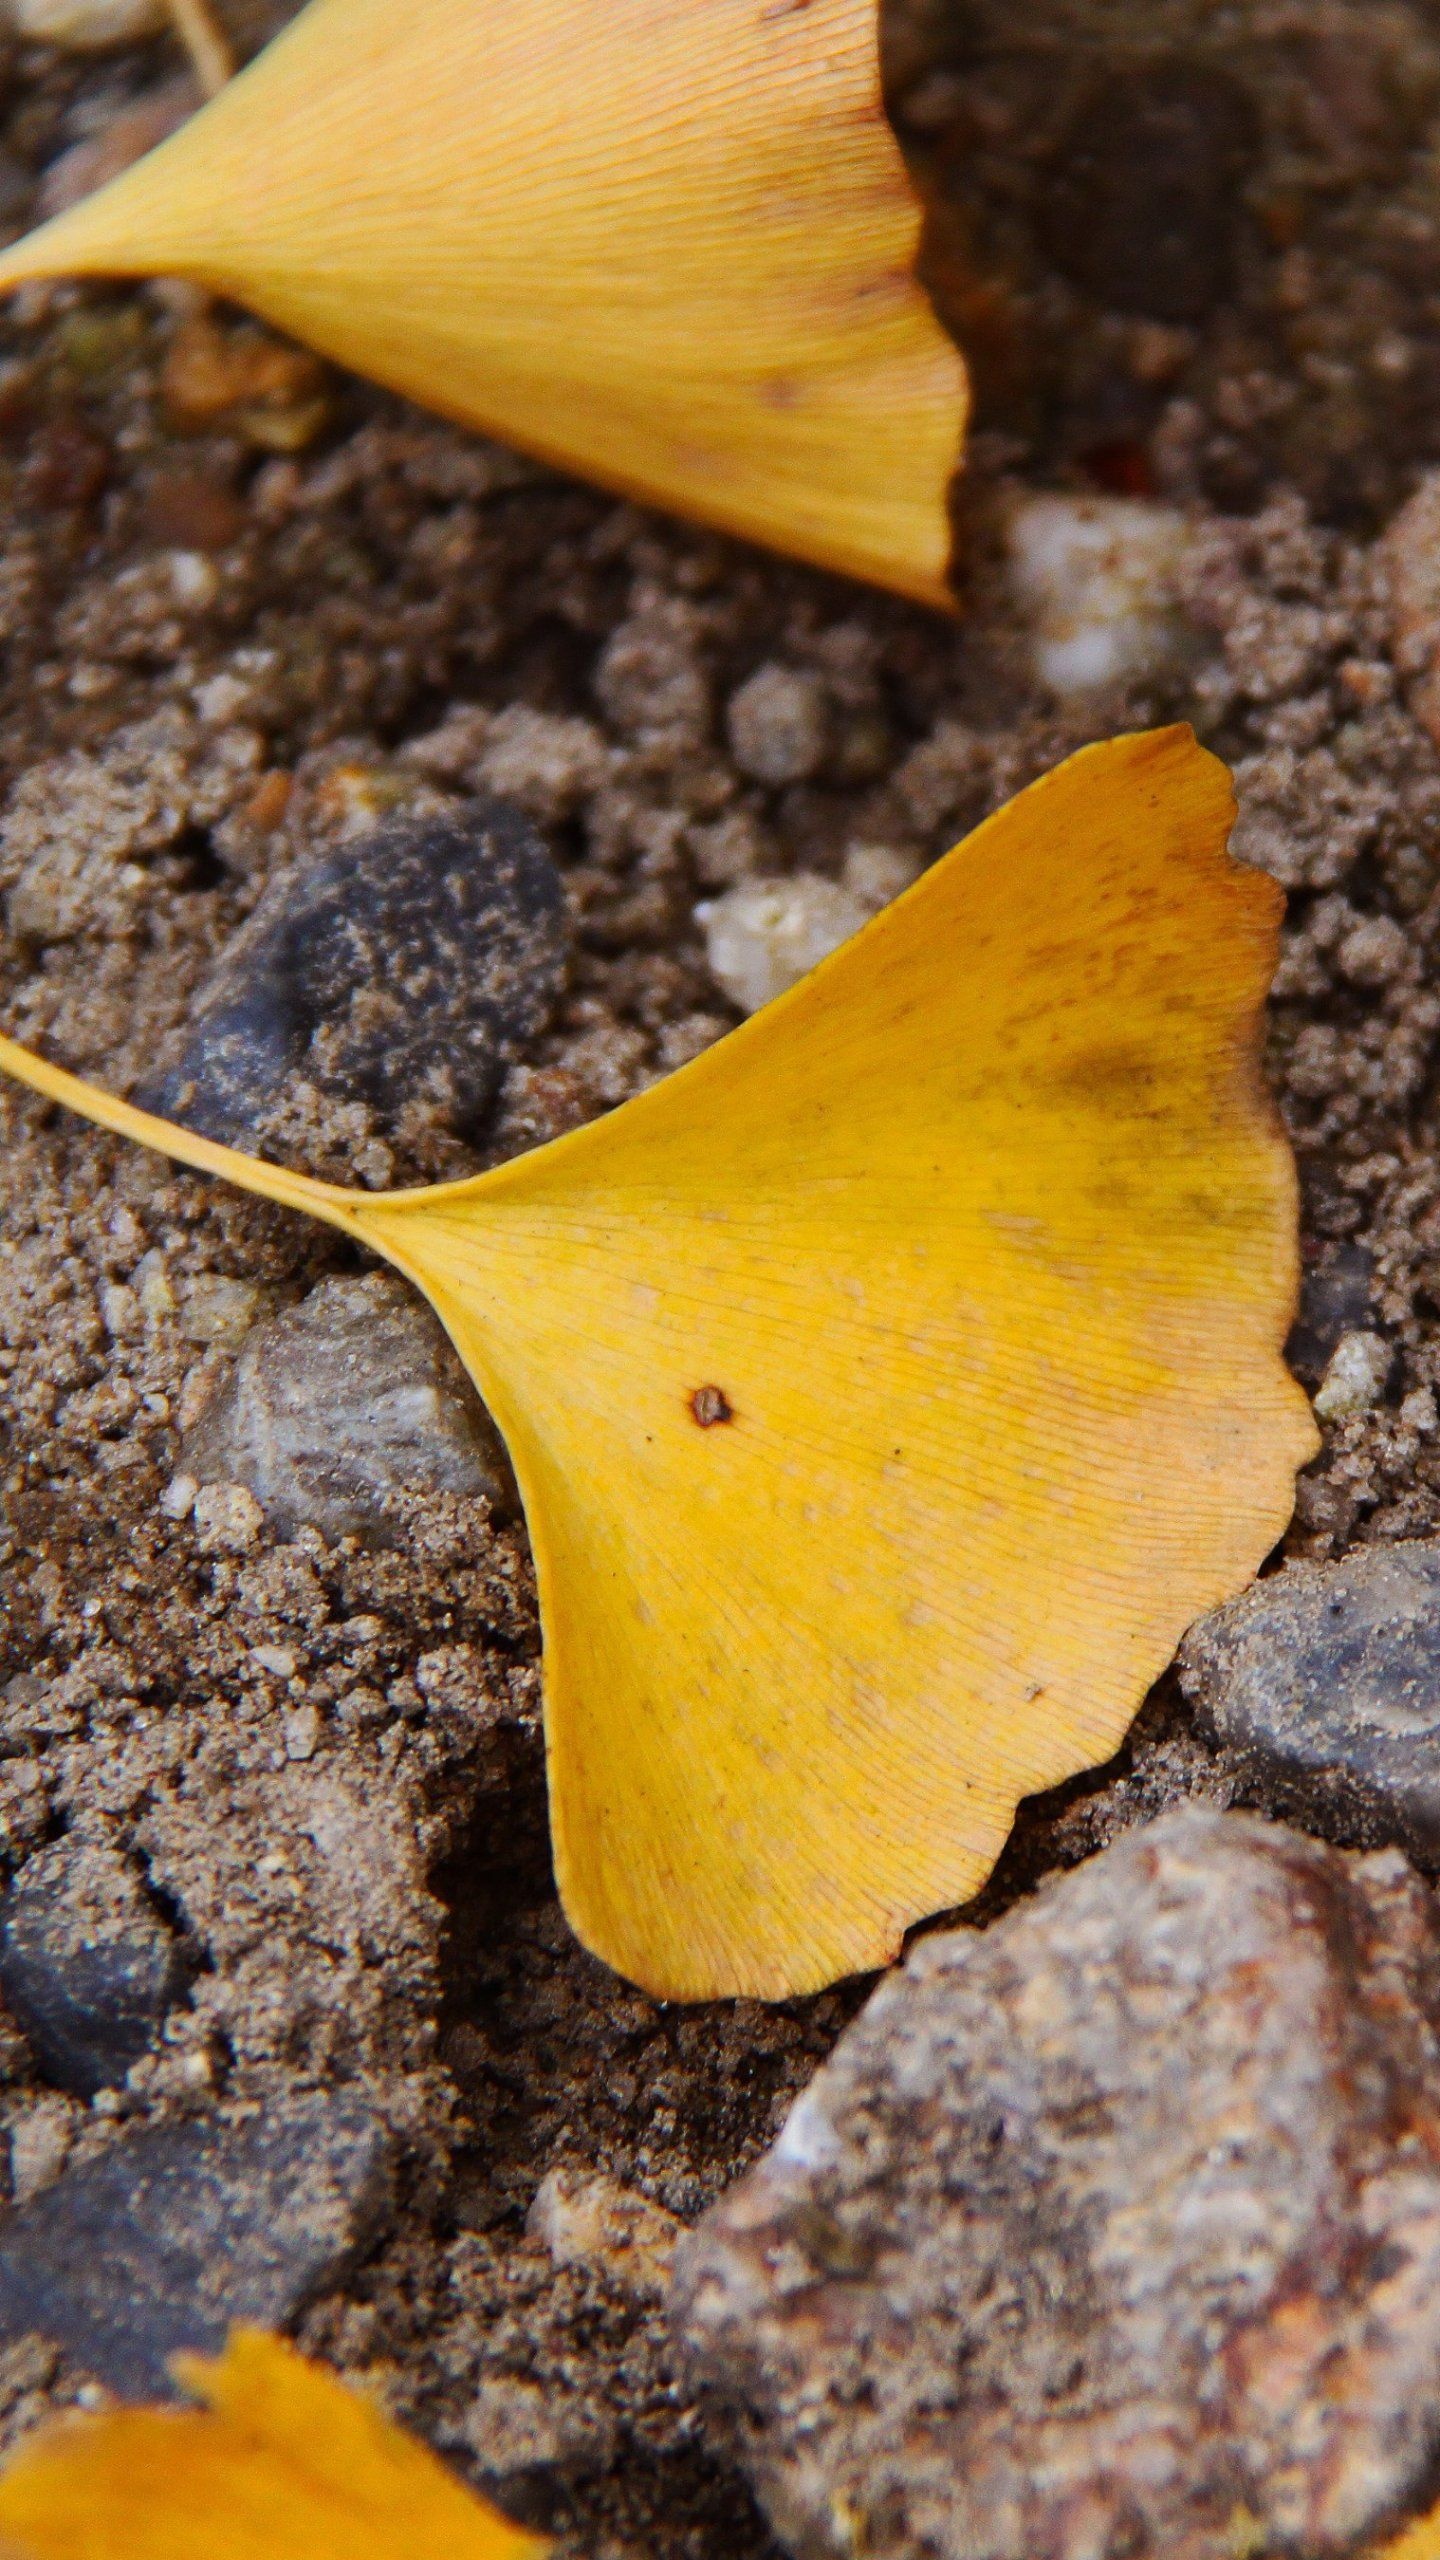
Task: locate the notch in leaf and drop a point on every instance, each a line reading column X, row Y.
column 888, row 1389
column 666, row 243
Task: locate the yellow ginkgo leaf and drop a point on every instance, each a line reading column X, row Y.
column 1417, row 2541
column 283, row 2464
column 891, row 1387
column 667, row 243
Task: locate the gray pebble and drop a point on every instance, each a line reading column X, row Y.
column 1115, row 2228
column 167, row 2237
column 404, row 971
column 779, row 725
column 1323, row 1682
column 1334, row 1300
column 334, row 1405
column 87, row 1965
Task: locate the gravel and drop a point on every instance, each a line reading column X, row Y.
column 777, row 723
column 1356, row 1376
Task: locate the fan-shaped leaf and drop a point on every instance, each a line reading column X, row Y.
column 667, row 243
column 891, row 1387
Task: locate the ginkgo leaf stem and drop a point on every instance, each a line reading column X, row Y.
column 275, row 1182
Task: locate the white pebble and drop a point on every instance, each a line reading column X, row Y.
column 302, row 1733
column 87, row 26
column 221, row 700
column 178, row 1497
column 1356, row 1378
column 194, row 580
column 1097, row 577
column 763, row 935
column 1375, row 953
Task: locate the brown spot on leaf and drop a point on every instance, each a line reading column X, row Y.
column 710, row 1405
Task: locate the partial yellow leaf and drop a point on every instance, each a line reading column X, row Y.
column 1417, row 2541
column 283, row 2464
column 890, row 1388
column 666, row 243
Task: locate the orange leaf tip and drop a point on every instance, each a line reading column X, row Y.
column 284, row 2463
column 889, row 1388
column 668, row 244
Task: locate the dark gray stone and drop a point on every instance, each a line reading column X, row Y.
column 1334, row 1300
column 87, row 1965
column 1323, row 1684
column 337, row 1403
column 406, row 969
column 165, row 2239
column 1112, row 2229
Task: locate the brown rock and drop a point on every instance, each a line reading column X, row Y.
column 193, row 511
column 1115, row 2228
column 273, row 393
column 68, row 467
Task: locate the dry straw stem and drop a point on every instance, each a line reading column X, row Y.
column 283, row 2464
column 206, row 43
column 665, row 243
column 889, row 1388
